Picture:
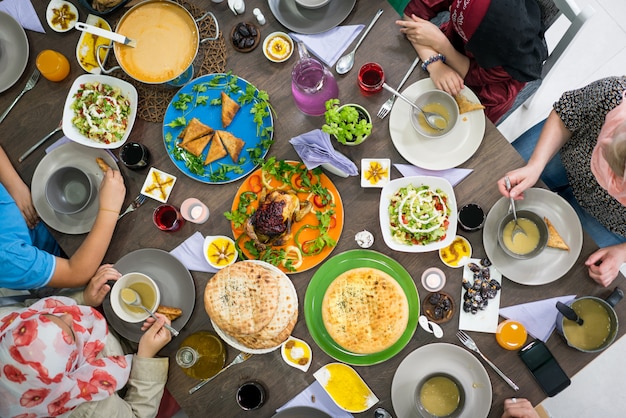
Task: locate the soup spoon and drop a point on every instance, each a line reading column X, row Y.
column 434, row 120
column 132, row 298
column 345, row 63
column 517, row 229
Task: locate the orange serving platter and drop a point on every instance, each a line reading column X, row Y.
column 308, row 261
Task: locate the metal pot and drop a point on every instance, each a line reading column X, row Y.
column 167, row 38
column 572, row 332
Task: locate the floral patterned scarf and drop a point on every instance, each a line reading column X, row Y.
column 44, row 371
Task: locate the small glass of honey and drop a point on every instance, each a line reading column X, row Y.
column 53, row 65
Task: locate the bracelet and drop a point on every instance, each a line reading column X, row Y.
column 110, row 210
column 434, row 58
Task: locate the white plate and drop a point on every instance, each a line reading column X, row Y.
column 236, row 344
column 78, row 156
column 310, row 21
column 162, row 178
column 85, row 53
column 443, row 358
column 385, row 163
column 128, row 90
column 13, row 51
column 484, row 320
column 551, row 264
column 435, row 154
column 61, row 4
column 383, row 211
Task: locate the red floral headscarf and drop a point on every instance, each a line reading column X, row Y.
column 44, row 372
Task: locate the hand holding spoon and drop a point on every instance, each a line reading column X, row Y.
column 434, row 120
column 345, row 63
column 132, row 298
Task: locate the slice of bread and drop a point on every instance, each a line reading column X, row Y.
column 229, row 110
column 232, row 143
column 216, row 151
column 554, row 238
column 170, row 312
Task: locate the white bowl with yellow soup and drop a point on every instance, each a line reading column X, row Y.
column 147, row 290
column 524, row 245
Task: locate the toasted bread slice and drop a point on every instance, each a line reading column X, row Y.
column 229, row 110
column 195, row 129
column 102, row 164
column 232, row 143
column 196, row 146
column 554, row 238
column 216, row 151
column 169, row 311
column 465, row 105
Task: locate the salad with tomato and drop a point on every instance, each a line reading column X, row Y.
column 419, row 215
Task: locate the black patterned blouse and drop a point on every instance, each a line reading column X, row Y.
column 583, row 112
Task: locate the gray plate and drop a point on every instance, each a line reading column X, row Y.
column 551, row 264
column 301, row 412
column 78, row 156
column 309, row 21
column 175, row 284
column 13, row 51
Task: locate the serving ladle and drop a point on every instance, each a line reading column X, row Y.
column 345, row 63
column 517, row 229
column 433, row 119
column 569, row 313
column 132, row 298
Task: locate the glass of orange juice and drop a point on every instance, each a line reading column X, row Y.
column 53, row 65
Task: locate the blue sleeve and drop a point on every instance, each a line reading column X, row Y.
column 25, row 266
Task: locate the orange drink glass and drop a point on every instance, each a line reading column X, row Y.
column 53, row 65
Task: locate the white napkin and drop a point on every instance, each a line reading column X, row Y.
column 330, row 45
column 539, row 317
column 24, row 12
column 65, row 140
column 453, row 175
column 190, row 254
column 322, row 401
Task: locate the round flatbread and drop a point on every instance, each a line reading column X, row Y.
column 365, row 310
column 242, row 298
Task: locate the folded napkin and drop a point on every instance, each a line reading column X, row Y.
column 330, row 45
column 190, row 254
column 315, row 149
column 24, row 12
column 316, row 397
column 539, row 317
column 453, row 175
column 65, row 140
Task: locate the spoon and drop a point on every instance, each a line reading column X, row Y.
column 382, row 413
column 516, row 227
column 132, row 298
column 434, row 120
column 569, row 313
column 345, row 63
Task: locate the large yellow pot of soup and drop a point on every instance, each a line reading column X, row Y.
column 599, row 322
column 167, row 40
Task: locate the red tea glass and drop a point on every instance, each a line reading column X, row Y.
column 371, row 78
column 168, row 218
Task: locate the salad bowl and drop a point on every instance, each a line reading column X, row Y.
column 127, row 90
column 439, row 233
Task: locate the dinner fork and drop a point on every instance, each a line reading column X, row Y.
column 133, row 205
column 241, row 357
column 469, row 343
column 386, row 107
column 29, row 85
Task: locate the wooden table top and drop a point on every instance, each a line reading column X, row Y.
column 39, row 111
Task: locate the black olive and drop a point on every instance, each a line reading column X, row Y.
column 438, row 313
column 243, row 30
column 434, row 298
column 242, row 43
column 473, row 267
column 253, row 31
column 249, row 42
column 446, row 304
column 466, row 284
column 236, row 37
column 485, row 262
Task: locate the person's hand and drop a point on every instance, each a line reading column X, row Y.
column 603, row 265
column 445, row 78
column 519, row 408
column 521, row 180
column 97, row 288
column 422, row 32
column 155, row 337
column 23, row 199
column 112, row 191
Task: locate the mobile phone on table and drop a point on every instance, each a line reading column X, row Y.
column 544, row 367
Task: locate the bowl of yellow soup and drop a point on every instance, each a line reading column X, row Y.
column 439, row 395
column 436, row 101
column 147, row 290
column 527, row 245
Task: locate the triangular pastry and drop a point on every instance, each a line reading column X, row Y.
column 554, row 238
column 195, row 129
column 232, row 143
column 229, row 110
column 216, row 151
column 465, row 105
column 196, row 146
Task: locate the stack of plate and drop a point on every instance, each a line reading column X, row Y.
column 310, row 20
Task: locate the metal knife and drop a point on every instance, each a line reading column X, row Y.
column 121, row 39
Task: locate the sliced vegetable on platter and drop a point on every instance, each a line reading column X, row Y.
column 287, row 215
